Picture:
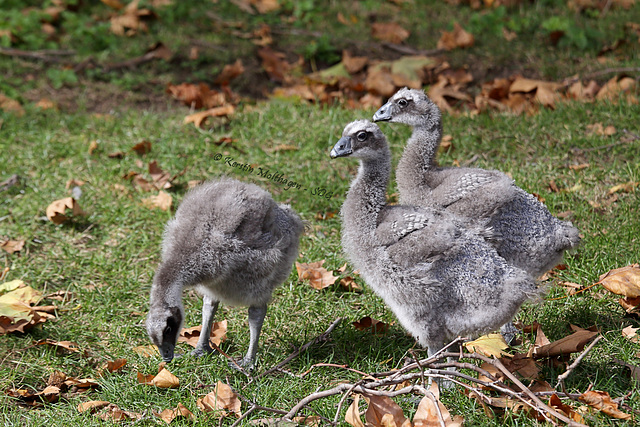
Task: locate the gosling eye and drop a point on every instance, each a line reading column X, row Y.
column 403, row 102
column 361, row 136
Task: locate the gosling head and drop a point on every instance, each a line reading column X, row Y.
column 361, row 139
column 163, row 326
column 409, row 106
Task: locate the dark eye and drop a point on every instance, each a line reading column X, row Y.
column 403, row 102
column 361, row 136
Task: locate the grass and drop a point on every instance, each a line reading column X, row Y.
column 107, row 259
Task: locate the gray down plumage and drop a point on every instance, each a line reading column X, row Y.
column 528, row 235
column 234, row 244
column 440, row 278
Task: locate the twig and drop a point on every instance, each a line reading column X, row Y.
column 332, row 365
column 498, row 364
column 635, row 135
column 572, row 80
column 344, row 397
column 408, row 50
column 43, row 55
column 296, row 353
column 576, row 362
column 433, row 399
column 231, row 359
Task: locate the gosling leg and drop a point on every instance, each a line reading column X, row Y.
column 209, row 308
column 256, row 319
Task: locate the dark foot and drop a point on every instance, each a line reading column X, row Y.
column 202, row 351
column 509, row 332
column 244, row 363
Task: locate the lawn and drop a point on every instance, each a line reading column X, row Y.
column 103, row 261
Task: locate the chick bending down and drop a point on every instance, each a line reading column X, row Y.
column 234, row 244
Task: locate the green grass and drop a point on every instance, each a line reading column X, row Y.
column 107, row 258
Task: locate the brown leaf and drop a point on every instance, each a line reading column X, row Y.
column 631, row 334
column 275, row 64
column 627, row 187
column 376, row 326
column 114, row 413
column 567, row 345
column 169, row 415
column 92, row 406
column 146, row 350
column 223, row 397
column 319, row 277
column 523, row 365
column 428, row 416
column 161, row 179
column 162, row 201
column 631, row 305
column 455, row 39
column 389, row 32
column 164, row 379
column 349, row 284
column 50, row 394
column 143, row 147
column 115, row 365
column 614, row 88
column 601, row 401
column 379, row 79
column 192, row 335
column 198, row 118
column 230, row 72
column 381, row 406
column 623, row 281
column 556, row 403
column 352, row 417
column 66, row 345
column 353, row 64
column 583, row 93
column 57, row 211
column 10, row 105
column 46, row 104
column 12, row 246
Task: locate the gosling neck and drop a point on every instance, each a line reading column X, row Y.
column 368, row 193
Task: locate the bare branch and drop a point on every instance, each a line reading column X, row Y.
column 576, row 362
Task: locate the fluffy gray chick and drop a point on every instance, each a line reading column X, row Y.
column 440, row 278
column 528, row 235
column 235, row 244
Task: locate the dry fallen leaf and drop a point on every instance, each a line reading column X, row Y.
column 623, row 281
column 16, row 313
column 601, row 401
column 352, row 417
column 319, row 277
column 65, row 345
column 12, row 246
column 162, row 201
column 220, row 399
column 631, row 334
column 557, row 404
column 50, row 394
column 198, row 118
column 382, row 411
column 143, row 147
column 627, row 187
column 389, row 32
column 164, row 379
column 491, row 345
column 191, row 335
column 92, row 406
column 230, row 72
column 427, row 415
column 57, row 211
column 376, row 326
column 567, row 345
column 146, row 350
column 10, row 105
column 115, row 365
column 454, row 39
column 169, row 415
column 113, row 413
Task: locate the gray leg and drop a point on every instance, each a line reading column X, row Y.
column 509, row 332
column 209, row 308
column 256, row 319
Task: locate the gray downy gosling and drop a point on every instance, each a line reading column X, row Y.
column 234, row 244
column 441, row 278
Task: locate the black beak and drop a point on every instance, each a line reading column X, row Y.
column 166, row 351
column 342, row 148
column 383, row 114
